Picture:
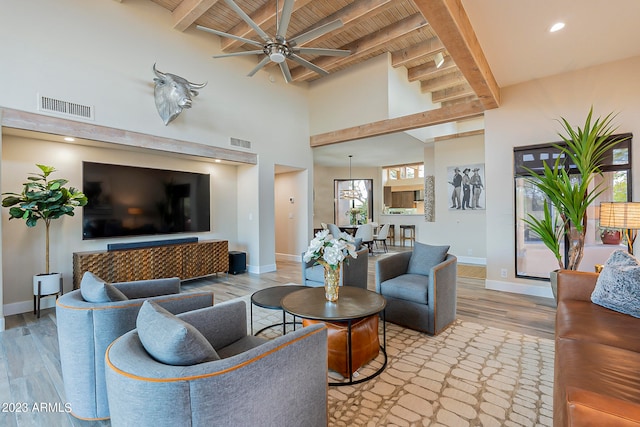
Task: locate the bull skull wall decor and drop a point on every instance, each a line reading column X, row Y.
column 173, row 93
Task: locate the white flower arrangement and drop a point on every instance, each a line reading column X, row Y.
column 328, row 250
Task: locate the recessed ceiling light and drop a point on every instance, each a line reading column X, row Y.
column 218, row 161
column 556, row 27
column 69, row 139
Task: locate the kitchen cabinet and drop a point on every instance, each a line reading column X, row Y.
column 402, row 199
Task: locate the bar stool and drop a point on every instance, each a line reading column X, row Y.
column 411, row 237
column 391, row 237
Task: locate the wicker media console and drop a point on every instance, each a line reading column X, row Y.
column 186, row 261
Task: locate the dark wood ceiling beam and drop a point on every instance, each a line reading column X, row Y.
column 427, row 48
column 400, row 124
column 188, row 11
column 265, row 17
column 442, row 82
column 451, row 23
column 429, row 70
column 449, row 94
column 364, row 45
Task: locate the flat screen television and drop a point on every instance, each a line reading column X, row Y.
column 135, row 201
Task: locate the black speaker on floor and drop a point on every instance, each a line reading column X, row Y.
column 237, row 262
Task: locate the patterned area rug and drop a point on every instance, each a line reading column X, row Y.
column 469, row 375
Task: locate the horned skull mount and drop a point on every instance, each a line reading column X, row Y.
column 173, row 94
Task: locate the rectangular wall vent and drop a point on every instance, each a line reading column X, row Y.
column 240, row 143
column 65, row 108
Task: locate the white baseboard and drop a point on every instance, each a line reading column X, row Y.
column 520, row 288
column 288, row 257
column 27, row 306
column 259, row 269
column 471, row 260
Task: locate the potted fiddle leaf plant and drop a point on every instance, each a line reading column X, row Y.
column 44, row 199
column 570, row 195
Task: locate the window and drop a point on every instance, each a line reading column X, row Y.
column 353, row 201
column 412, row 171
column 533, row 258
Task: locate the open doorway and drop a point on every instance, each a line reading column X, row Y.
column 291, row 212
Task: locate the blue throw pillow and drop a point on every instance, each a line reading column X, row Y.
column 171, row 340
column 425, row 257
column 618, row 285
column 94, row 289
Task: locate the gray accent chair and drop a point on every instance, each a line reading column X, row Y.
column 354, row 272
column 425, row 303
column 257, row 382
column 334, row 230
column 86, row 329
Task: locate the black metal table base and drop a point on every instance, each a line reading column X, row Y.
column 274, row 326
column 383, row 349
column 363, row 379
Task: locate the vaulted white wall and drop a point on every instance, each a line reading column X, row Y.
column 101, row 54
column 528, row 115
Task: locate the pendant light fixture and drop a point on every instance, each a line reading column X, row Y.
column 350, row 194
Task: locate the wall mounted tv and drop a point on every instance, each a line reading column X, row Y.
column 135, row 201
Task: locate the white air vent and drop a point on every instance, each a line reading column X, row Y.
column 240, row 143
column 66, row 108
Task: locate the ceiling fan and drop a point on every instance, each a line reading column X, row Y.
column 278, row 48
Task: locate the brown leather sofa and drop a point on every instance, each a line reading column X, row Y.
column 597, row 359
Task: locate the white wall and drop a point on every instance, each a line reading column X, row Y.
column 351, row 97
column 291, row 215
column 528, row 115
column 24, row 247
column 464, row 231
column 66, row 52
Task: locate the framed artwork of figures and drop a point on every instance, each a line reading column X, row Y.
column 466, row 187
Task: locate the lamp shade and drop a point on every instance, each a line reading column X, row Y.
column 624, row 215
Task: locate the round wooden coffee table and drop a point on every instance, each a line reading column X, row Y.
column 353, row 304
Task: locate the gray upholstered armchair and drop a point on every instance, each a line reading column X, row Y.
column 251, row 381
column 354, row 272
column 420, row 288
column 85, row 330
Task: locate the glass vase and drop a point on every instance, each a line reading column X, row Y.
column 331, row 282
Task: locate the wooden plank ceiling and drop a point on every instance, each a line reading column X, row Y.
column 412, row 31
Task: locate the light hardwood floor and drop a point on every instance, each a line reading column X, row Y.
column 30, row 366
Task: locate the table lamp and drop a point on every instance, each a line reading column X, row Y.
column 622, row 215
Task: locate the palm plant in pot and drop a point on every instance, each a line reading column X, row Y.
column 572, row 194
column 46, row 200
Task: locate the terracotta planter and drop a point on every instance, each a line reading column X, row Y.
column 611, row 237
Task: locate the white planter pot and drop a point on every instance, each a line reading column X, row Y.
column 49, row 283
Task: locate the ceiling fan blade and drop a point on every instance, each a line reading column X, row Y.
column 262, row 63
column 245, row 52
column 308, row 64
column 246, row 18
column 285, row 71
column 287, row 10
column 316, row 32
column 319, row 51
column 231, row 36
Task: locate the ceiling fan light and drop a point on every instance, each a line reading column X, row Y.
column 277, row 57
